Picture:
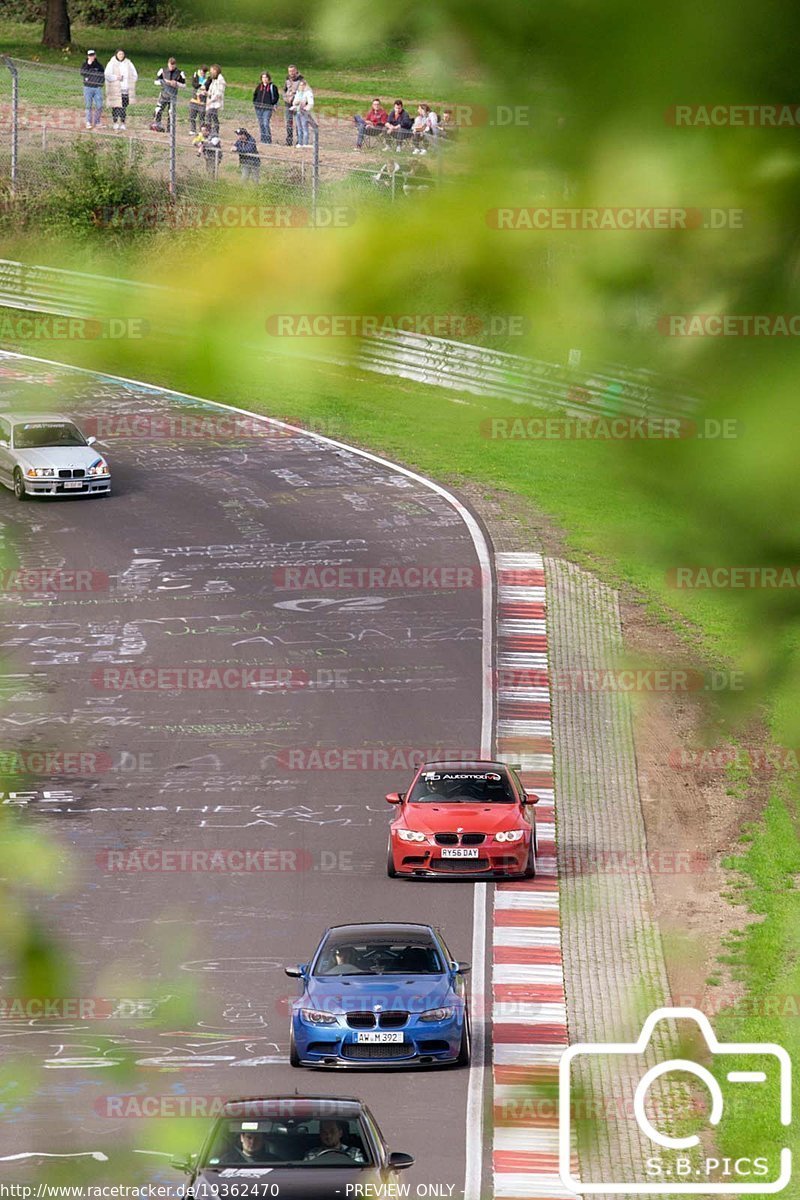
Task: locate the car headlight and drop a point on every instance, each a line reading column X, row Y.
column 437, row 1014
column 314, row 1017
column 510, row 835
column 410, row 835
column 40, row 472
column 98, row 468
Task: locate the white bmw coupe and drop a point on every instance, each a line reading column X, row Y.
column 47, row 455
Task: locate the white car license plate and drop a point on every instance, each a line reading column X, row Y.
column 73, row 483
column 381, row 1036
column 460, row 852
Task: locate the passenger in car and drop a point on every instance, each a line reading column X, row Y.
column 250, row 1148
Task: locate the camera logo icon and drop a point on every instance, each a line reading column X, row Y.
column 680, row 1164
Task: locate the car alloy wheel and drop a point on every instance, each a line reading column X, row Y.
column 19, row 485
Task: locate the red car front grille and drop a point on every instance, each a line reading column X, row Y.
column 465, row 839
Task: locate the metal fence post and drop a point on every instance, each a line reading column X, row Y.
column 315, row 171
column 14, row 120
column 173, row 142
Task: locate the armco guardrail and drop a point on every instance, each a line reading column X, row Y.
column 59, row 291
column 609, row 390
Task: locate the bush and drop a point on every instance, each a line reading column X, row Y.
column 116, row 14
column 89, row 187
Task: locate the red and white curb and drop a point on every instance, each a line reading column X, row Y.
column 529, row 1019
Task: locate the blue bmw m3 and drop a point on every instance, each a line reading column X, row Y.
column 380, row 995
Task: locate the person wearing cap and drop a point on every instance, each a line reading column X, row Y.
column 93, row 75
column 121, row 76
column 249, row 159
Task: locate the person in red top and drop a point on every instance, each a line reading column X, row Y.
column 372, row 122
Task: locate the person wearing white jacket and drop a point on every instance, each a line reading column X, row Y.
column 302, row 105
column 215, row 98
column 121, row 76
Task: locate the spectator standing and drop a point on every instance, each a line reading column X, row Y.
column 265, row 98
column 249, row 160
column 371, row 123
column 93, row 76
column 121, row 76
column 398, row 124
column 169, row 79
column 293, row 78
column 301, row 108
column 215, row 99
column 197, row 104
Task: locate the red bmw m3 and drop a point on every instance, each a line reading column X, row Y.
column 464, row 819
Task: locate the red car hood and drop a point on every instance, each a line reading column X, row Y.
column 471, row 818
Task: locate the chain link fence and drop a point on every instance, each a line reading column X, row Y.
column 43, row 117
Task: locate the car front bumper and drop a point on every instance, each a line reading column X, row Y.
column 97, row 485
column 424, row 1044
column 493, row 859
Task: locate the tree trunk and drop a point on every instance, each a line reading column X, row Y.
column 56, row 25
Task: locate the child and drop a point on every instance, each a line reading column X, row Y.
column 209, row 148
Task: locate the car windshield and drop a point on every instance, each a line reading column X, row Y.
column 315, row 1141
column 378, row 957
column 37, row 436
column 462, row 787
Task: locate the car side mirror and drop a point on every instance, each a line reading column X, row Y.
column 186, row 1165
column 298, row 972
column 462, row 968
column 90, row 441
column 395, row 797
column 398, row 1161
column 531, row 798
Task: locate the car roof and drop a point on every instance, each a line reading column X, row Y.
column 25, row 418
column 472, row 764
column 383, row 929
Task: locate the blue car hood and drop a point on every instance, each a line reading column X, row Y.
column 412, row 993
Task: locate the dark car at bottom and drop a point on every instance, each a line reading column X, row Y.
column 295, row 1148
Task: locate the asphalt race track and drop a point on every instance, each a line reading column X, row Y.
column 188, row 557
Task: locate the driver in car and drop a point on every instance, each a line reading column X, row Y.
column 344, row 961
column 330, row 1138
column 250, row 1148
